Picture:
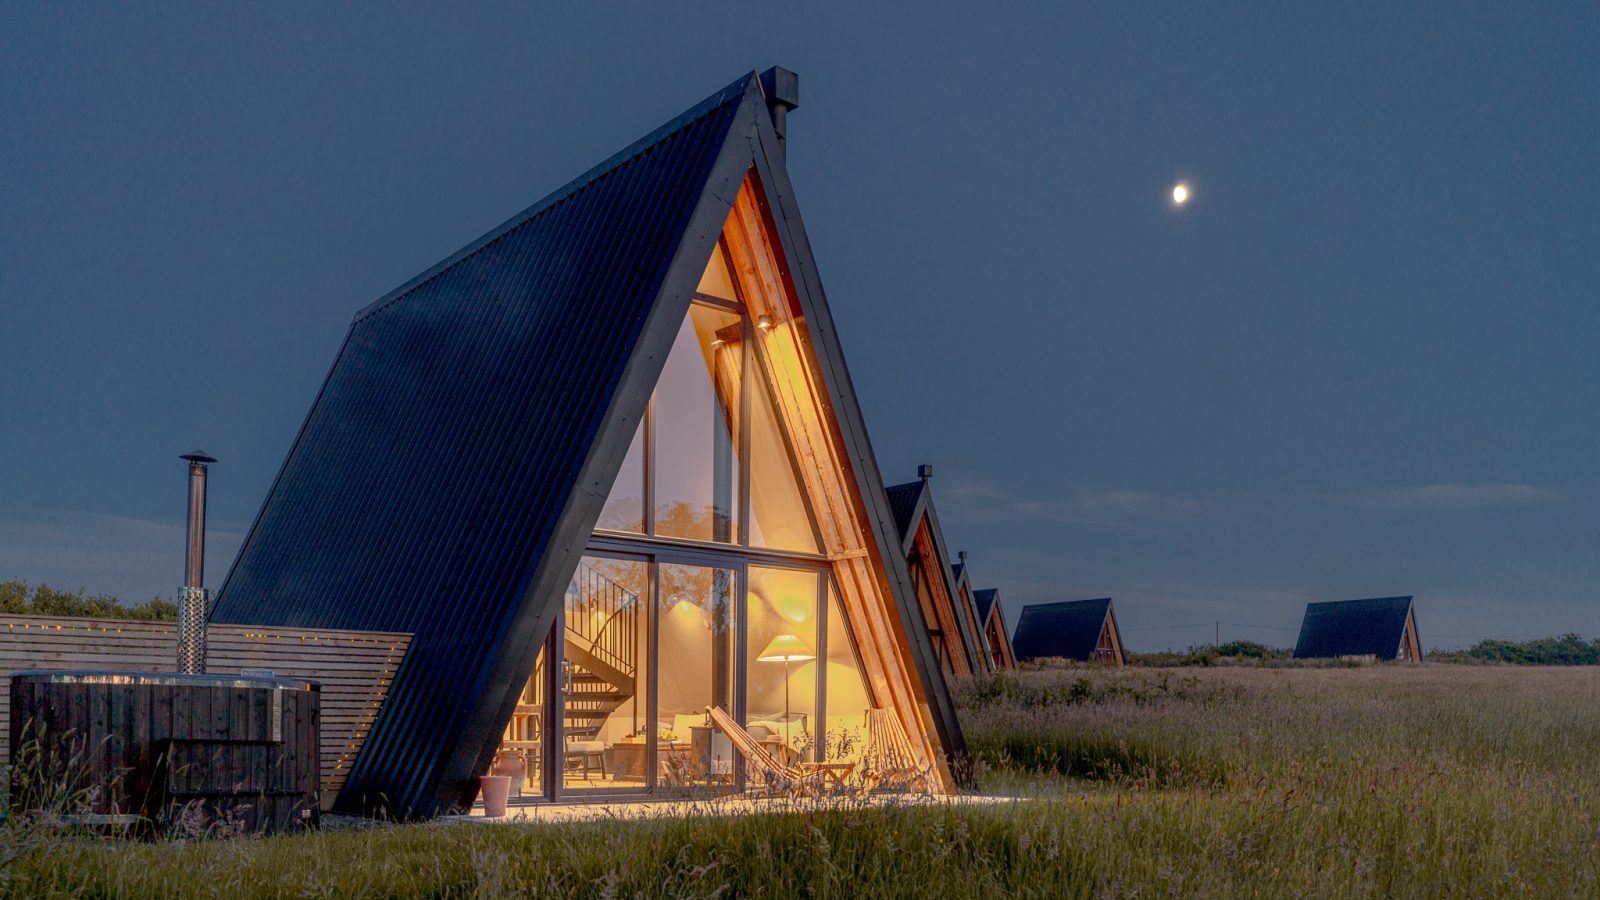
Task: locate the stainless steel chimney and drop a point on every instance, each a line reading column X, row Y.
column 192, row 603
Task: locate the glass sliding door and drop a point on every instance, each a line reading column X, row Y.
column 695, row 651
column 604, row 680
column 646, row 647
column 780, row 660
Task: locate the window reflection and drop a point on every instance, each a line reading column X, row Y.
column 696, row 466
column 848, row 698
column 695, row 671
column 778, row 515
column 624, row 509
column 781, row 668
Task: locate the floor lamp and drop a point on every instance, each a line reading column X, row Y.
column 786, row 648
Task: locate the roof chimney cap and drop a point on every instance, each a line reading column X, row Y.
column 962, row 556
column 925, row 471
column 781, row 86
column 199, row 456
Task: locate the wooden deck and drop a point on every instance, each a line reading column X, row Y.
column 738, row 805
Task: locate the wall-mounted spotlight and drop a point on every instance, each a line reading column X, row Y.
column 764, row 322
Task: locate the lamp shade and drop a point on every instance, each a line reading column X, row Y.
column 786, row 648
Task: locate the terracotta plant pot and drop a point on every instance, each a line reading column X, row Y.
column 496, row 790
column 511, row 766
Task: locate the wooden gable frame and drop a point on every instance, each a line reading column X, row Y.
column 997, row 636
column 969, row 607
column 796, row 359
column 1410, row 644
column 1108, row 648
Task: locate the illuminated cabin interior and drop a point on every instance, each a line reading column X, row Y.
column 996, row 635
column 948, row 611
column 1378, row 627
column 606, row 465
column 1081, row 630
column 709, row 579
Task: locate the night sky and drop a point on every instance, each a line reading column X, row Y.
column 1359, row 362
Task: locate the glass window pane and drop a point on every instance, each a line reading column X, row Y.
column 696, row 467
column 520, row 752
column 604, row 679
column 695, row 634
column 778, row 516
column 781, row 682
column 624, row 509
column 848, row 698
column 716, row 281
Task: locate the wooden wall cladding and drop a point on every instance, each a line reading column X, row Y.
column 354, row 668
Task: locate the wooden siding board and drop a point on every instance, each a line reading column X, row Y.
column 354, row 669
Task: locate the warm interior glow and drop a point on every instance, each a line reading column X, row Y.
column 716, row 282
column 826, row 475
column 742, row 450
column 786, row 648
column 696, row 437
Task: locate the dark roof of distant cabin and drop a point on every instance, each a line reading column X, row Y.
column 955, row 572
column 984, row 599
column 903, row 499
column 1069, row 629
column 1372, row 627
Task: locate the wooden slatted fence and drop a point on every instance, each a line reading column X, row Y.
column 355, row 668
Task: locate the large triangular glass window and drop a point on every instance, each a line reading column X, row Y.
column 713, row 414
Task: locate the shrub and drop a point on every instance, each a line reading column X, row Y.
column 17, row 598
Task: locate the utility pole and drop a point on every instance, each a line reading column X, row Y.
column 1217, row 641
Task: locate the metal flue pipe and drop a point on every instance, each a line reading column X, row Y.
column 192, row 603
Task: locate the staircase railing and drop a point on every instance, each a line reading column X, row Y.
column 607, row 620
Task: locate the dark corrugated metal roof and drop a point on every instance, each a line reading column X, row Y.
column 984, row 599
column 1372, row 627
column 1069, row 630
column 429, row 475
column 903, row 499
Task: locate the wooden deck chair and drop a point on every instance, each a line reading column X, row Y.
column 763, row 768
column 889, row 760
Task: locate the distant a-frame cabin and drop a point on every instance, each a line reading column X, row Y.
column 996, row 635
column 948, row 608
column 1082, row 630
column 607, row 467
column 1379, row 627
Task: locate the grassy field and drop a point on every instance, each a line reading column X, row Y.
column 1417, row 781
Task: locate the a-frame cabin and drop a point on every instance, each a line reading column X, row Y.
column 996, row 634
column 961, row 577
column 607, row 466
column 1082, row 630
column 1379, row 627
column 951, row 614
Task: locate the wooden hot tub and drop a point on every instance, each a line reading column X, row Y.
column 177, row 752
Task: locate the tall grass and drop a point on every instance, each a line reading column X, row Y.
column 1419, row 781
